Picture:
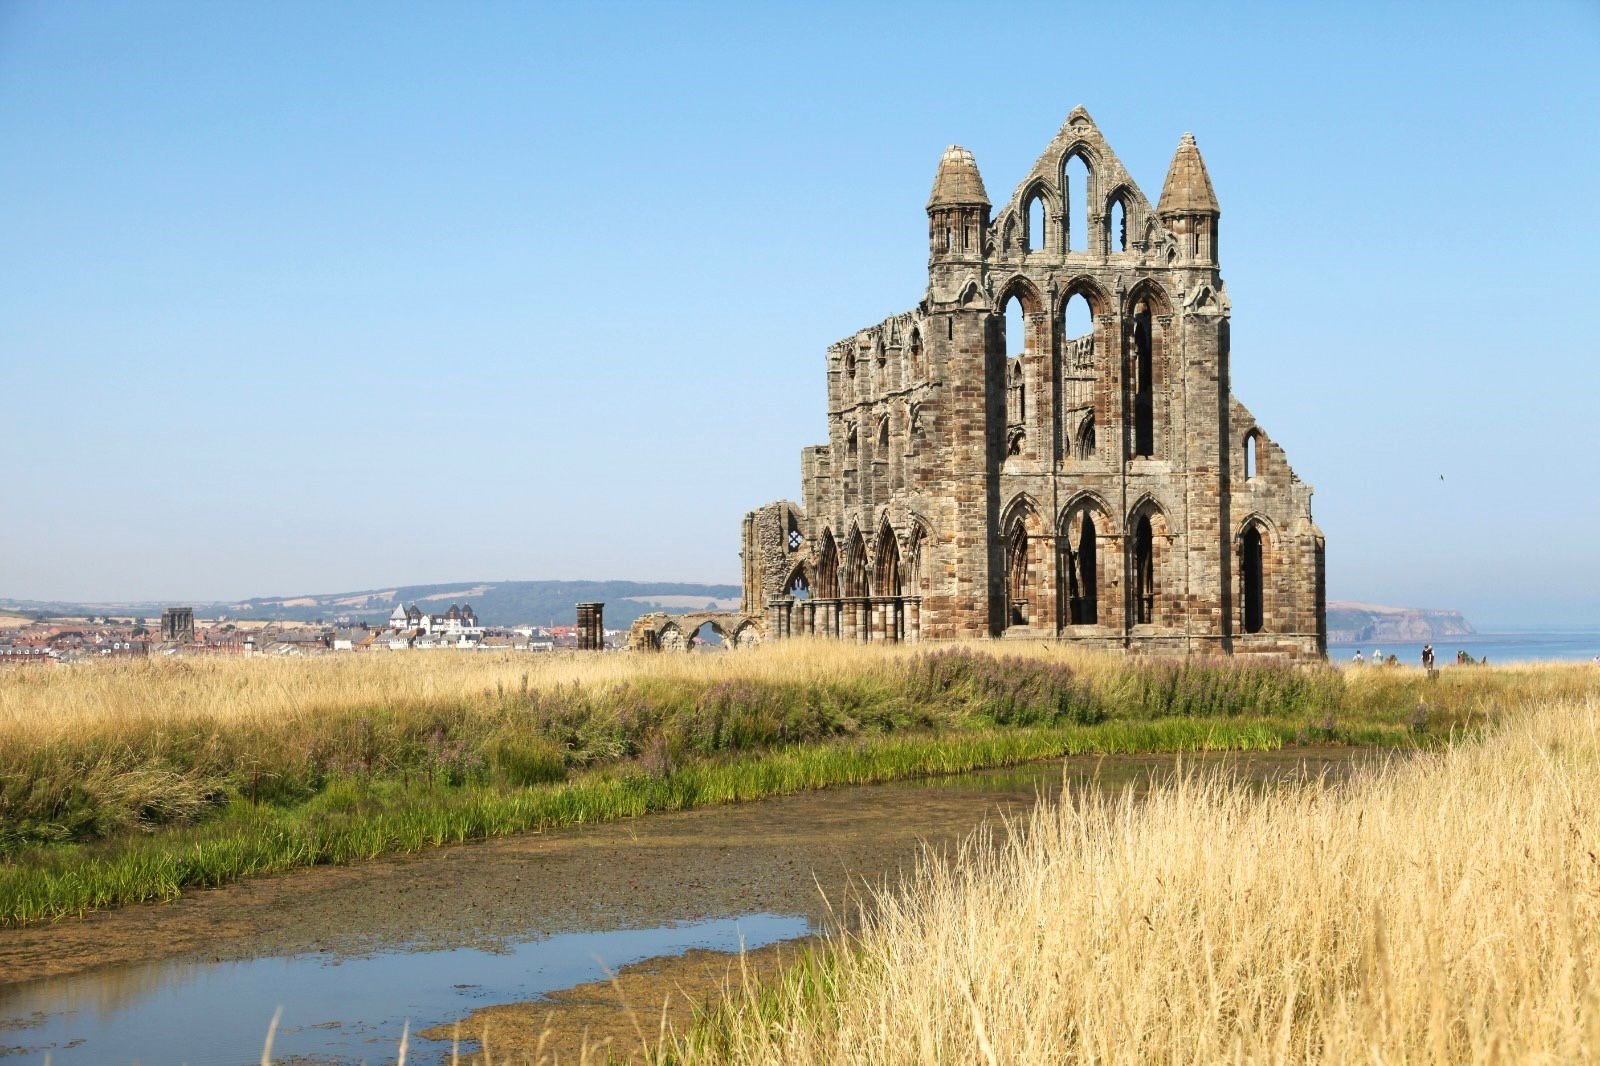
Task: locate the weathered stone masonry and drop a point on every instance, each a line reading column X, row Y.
column 1105, row 488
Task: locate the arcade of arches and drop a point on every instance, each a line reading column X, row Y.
column 1046, row 445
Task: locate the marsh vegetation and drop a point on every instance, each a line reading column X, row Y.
column 131, row 782
column 1443, row 908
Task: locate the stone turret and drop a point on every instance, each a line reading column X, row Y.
column 1189, row 206
column 958, row 210
column 1102, row 485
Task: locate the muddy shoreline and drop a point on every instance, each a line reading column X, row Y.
column 808, row 855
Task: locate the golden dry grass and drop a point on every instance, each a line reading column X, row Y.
column 1445, row 908
column 237, row 691
column 233, row 691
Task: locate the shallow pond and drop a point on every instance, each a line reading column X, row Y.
column 353, row 954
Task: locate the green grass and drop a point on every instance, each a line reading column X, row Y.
column 142, row 807
column 353, row 820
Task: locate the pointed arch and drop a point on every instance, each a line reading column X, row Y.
column 1093, row 293
column 1149, row 563
column 917, row 555
column 1039, row 206
column 1021, row 288
column 827, row 570
column 1146, row 313
column 1250, row 553
column 856, row 582
column 1082, row 538
column 1023, row 507
column 1252, row 453
column 748, row 635
column 1121, row 231
column 1016, row 396
column 1151, row 291
column 1023, row 572
column 671, row 638
column 1008, row 231
column 797, row 585
column 1077, row 193
column 886, row 562
column 1269, row 528
column 1083, row 442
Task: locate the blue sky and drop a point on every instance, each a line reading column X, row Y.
column 314, row 297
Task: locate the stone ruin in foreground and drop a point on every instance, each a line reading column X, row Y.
column 1104, row 488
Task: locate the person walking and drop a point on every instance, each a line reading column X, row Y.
column 1358, row 660
column 1427, row 657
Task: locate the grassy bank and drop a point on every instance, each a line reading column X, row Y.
column 353, row 820
column 1444, row 909
column 121, row 783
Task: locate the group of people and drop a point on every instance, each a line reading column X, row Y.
column 1378, row 660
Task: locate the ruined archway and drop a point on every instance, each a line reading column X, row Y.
column 855, row 566
column 671, row 638
column 1024, row 589
column 1250, row 577
column 1150, row 579
column 827, row 584
column 798, row 586
column 708, row 636
column 886, row 577
column 1082, row 538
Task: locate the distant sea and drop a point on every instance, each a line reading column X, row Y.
column 1556, row 645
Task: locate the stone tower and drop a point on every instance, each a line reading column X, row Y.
column 1103, row 487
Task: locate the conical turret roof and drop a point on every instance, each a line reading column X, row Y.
column 958, row 180
column 1188, row 188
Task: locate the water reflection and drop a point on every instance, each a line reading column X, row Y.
column 334, row 1009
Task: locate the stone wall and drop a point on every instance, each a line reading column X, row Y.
column 1091, row 487
column 677, row 632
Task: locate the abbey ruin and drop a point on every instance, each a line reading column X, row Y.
column 1092, row 479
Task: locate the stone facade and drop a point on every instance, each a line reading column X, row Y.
column 177, row 625
column 1105, row 488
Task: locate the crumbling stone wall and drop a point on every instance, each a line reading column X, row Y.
column 676, row 632
column 1092, row 487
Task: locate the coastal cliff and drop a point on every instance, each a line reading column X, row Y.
column 1356, row 623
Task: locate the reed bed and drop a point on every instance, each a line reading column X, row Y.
column 130, row 781
column 1445, row 908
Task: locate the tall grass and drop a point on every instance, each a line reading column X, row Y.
column 122, row 782
column 1442, row 909
column 102, row 750
column 353, row 821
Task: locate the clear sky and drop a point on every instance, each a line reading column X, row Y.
column 312, row 297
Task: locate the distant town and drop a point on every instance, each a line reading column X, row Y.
column 44, row 640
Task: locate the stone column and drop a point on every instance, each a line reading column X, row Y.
column 591, row 627
column 913, row 619
column 863, row 620
column 847, row 619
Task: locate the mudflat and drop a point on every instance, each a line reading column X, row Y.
column 806, row 855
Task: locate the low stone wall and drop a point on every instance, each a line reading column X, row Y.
column 676, row 632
